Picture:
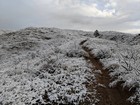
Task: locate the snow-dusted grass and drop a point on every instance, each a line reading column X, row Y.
column 122, row 60
column 4, row 31
column 46, row 65
column 50, row 70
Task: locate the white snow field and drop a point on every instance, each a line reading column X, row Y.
column 46, row 65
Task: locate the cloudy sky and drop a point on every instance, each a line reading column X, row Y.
column 116, row 15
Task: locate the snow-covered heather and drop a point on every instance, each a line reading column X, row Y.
column 117, row 36
column 43, row 65
column 46, row 65
column 123, row 61
column 4, row 31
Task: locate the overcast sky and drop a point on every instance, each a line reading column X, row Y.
column 115, row 15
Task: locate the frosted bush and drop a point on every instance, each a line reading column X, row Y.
column 102, row 54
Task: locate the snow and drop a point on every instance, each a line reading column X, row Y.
column 34, row 66
column 46, row 65
column 5, row 31
column 123, row 61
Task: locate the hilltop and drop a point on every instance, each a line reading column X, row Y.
column 4, row 31
column 41, row 66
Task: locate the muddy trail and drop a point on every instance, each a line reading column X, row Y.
column 106, row 95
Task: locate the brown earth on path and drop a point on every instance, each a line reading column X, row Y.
column 106, row 95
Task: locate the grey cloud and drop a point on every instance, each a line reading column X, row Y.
column 53, row 13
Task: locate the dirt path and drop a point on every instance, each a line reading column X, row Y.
column 106, row 95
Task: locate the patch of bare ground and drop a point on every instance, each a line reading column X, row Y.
column 106, row 95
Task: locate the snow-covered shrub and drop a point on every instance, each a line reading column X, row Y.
column 113, row 67
column 74, row 51
column 20, row 46
column 102, row 54
column 48, row 68
column 130, row 60
column 129, row 71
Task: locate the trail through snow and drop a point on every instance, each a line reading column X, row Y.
column 106, row 95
